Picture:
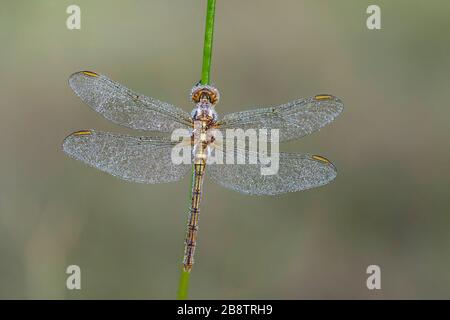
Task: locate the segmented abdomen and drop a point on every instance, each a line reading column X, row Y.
column 194, row 211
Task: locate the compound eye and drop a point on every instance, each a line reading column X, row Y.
column 200, row 91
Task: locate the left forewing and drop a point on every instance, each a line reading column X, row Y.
column 125, row 107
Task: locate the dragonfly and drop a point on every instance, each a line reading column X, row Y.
column 148, row 159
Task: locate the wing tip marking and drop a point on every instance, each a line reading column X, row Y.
column 90, row 73
column 321, row 159
column 82, row 133
column 321, row 97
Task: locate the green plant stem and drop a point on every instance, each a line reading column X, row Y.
column 207, row 46
column 183, row 286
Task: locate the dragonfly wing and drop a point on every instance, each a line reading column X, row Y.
column 294, row 119
column 296, row 172
column 137, row 159
column 125, row 107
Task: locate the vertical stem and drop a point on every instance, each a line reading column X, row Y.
column 207, row 46
column 183, row 286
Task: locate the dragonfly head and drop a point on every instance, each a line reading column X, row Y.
column 203, row 93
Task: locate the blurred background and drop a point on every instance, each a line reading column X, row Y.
column 389, row 205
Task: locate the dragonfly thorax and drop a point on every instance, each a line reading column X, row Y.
column 204, row 111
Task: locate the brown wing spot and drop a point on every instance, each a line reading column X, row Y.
column 323, row 97
column 82, row 133
column 90, row 73
column 321, row 159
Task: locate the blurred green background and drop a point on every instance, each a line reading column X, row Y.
column 389, row 205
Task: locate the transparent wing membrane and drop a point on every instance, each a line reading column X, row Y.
column 296, row 172
column 138, row 159
column 149, row 159
column 125, row 107
column 294, row 119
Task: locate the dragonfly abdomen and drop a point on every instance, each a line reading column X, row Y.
column 194, row 212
